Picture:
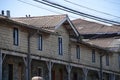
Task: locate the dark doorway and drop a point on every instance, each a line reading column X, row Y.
column 75, row 76
column 53, row 75
column 10, row 71
column 61, row 74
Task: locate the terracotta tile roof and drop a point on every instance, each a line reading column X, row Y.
column 112, row 43
column 46, row 22
column 88, row 27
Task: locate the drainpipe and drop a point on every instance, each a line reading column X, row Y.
column 0, row 65
column 28, row 71
column 101, row 67
column 28, row 59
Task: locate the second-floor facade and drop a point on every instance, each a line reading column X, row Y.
column 59, row 41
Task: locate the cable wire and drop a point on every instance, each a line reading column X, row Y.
column 43, row 8
column 76, row 12
column 91, row 9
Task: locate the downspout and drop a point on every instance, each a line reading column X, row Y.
column 101, row 67
column 28, row 74
column 0, row 65
column 28, row 60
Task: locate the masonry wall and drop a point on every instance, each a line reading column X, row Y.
column 50, row 47
column 6, row 38
column 85, row 56
column 113, row 62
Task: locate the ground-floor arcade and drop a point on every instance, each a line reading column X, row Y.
column 14, row 68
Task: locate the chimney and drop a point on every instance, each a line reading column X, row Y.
column 29, row 15
column 8, row 13
column 2, row 12
column 26, row 15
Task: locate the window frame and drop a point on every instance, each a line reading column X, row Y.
column 60, row 45
column 41, row 71
column 78, row 51
column 107, row 60
column 93, row 55
column 119, row 60
column 16, row 36
column 40, row 42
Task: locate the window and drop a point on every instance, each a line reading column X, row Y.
column 40, row 42
column 15, row 36
column 107, row 60
column 93, row 55
column 40, row 72
column 119, row 60
column 60, row 47
column 78, row 52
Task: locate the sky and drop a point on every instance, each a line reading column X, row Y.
column 109, row 9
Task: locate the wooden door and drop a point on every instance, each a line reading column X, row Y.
column 61, row 74
column 19, row 72
column 53, row 75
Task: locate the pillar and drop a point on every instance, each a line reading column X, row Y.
column 49, row 66
column 2, row 57
column 27, row 68
column 112, row 76
column 85, row 71
column 69, row 67
column 99, row 75
column 101, row 68
column 0, row 65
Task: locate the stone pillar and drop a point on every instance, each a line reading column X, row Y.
column 0, row 65
column 27, row 68
column 2, row 57
column 69, row 67
column 85, row 71
column 99, row 75
column 101, row 67
column 49, row 66
column 112, row 76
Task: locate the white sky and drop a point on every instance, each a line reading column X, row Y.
column 18, row 8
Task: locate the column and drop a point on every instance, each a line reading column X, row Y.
column 69, row 67
column 99, row 75
column 49, row 66
column 101, row 68
column 0, row 65
column 112, row 76
column 27, row 68
column 85, row 71
column 2, row 57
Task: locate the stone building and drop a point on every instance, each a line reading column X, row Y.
column 51, row 47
